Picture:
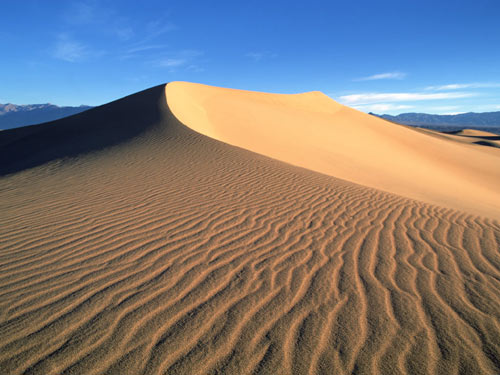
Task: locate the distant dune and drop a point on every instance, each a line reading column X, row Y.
column 189, row 229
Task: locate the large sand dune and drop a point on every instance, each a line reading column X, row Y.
column 313, row 131
column 135, row 243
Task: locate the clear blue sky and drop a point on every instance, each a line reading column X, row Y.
column 384, row 56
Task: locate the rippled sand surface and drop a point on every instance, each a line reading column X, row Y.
column 164, row 251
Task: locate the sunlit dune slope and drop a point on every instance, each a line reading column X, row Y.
column 313, row 131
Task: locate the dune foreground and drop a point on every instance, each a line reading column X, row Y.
column 149, row 236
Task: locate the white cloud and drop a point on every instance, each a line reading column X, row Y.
column 388, row 75
column 454, row 86
column 69, row 50
column 447, row 110
column 382, row 107
column 459, row 86
column 443, row 108
column 369, row 98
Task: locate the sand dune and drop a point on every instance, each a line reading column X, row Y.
column 475, row 133
column 469, row 136
column 133, row 244
column 313, row 131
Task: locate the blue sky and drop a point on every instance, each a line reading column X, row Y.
column 381, row 56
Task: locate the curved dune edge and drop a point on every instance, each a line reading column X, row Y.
column 311, row 130
column 475, row 133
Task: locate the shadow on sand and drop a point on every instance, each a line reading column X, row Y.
column 92, row 130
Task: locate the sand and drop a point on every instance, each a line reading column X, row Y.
column 143, row 238
column 311, row 130
column 469, row 136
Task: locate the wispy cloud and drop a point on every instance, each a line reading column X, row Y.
column 139, row 50
column 171, row 63
column 124, row 32
column 382, row 107
column 388, row 75
column 369, row 98
column 195, row 68
column 69, row 50
column 157, row 28
column 444, row 108
column 453, row 109
column 183, row 58
column 126, row 37
column 146, row 48
column 85, row 14
column 149, row 39
column 258, row 56
column 460, row 86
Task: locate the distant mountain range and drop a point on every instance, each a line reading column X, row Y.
column 13, row 116
column 470, row 119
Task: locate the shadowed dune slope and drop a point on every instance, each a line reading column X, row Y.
column 82, row 133
column 162, row 251
column 313, row 131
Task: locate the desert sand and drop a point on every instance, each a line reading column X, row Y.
column 189, row 229
column 469, row 136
